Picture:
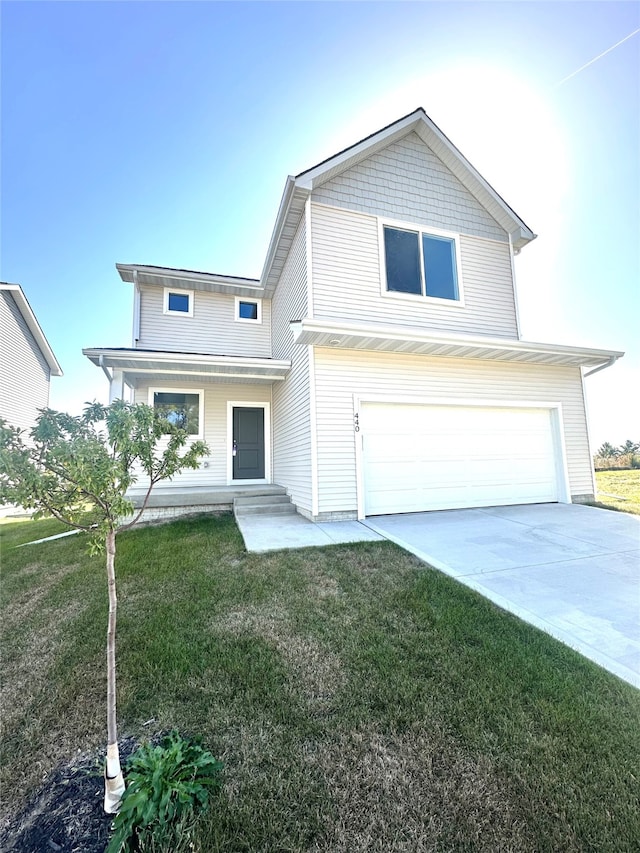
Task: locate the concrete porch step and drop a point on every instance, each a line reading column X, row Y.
column 263, row 505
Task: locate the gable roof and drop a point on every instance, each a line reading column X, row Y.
column 32, row 324
column 298, row 188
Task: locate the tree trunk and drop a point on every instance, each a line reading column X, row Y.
column 113, row 780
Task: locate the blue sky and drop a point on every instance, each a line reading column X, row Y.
column 162, row 133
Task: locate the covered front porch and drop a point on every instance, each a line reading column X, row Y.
column 223, row 401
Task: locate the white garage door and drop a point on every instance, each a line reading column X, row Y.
column 418, row 458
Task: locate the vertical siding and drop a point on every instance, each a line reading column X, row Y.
column 212, row 330
column 291, row 405
column 407, row 181
column 215, row 426
column 347, row 280
column 342, row 373
column 24, row 372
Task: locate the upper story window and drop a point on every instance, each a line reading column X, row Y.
column 178, row 302
column 248, row 310
column 182, row 409
column 421, row 263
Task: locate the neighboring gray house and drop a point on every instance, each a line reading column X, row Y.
column 376, row 366
column 27, row 362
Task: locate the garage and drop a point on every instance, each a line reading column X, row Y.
column 433, row 457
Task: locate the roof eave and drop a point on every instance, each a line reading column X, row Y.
column 189, row 279
column 34, row 327
column 386, row 338
column 132, row 361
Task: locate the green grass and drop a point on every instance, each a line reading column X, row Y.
column 619, row 490
column 359, row 700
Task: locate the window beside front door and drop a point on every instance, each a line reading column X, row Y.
column 248, row 443
column 182, row 409
column 420, row 263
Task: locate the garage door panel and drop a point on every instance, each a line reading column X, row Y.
column 418, row 458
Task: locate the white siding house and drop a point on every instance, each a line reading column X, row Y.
column 27, row 362
column 376, row 366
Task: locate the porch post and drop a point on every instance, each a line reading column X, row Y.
column 116, row 386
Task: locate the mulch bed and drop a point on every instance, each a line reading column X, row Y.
column 67, row 814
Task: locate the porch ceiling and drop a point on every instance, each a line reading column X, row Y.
column 138, row 365
column 384, row 338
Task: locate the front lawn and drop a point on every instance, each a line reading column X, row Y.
column 360, row 701
column 619, row 490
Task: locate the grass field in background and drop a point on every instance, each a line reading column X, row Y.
column 619, row 490
column 359, row 700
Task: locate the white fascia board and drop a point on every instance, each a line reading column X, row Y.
column 189, row 279
column 304, row 331
column 122, row 359
column 33, row 326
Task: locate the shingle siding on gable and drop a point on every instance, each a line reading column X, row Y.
column 407, row 181
column 24, row 372
column 291, row 403
column 347, row 280
column 212, row 329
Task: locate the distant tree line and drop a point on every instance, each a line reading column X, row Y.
column 625, row 456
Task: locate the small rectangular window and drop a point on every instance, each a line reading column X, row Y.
column 180, row 409
column 178, row 302
column 248, row 310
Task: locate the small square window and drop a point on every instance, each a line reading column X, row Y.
column 178, row 302
column 248, row 310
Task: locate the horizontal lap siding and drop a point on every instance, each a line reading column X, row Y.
column 347, row 280
column 342, row 373
column 215, row 426
column 407, row 181
column 213, row 328
column 291, row 409
column 24, row 372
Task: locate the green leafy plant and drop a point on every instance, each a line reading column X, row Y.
column 168, row 785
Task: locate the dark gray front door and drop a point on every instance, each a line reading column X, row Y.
column 248, row 443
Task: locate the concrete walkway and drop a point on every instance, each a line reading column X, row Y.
column 275, row 532
column 573, row 571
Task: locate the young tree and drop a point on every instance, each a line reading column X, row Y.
column 78, row 469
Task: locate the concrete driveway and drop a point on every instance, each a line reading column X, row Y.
column 571, row 570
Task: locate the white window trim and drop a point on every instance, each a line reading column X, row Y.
column 231, row 405
column 419, row 229
column 162, row 389
column 253, row 300
column 181, row 292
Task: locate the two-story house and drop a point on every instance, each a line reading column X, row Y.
column 27, row 362
column 376, row 366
